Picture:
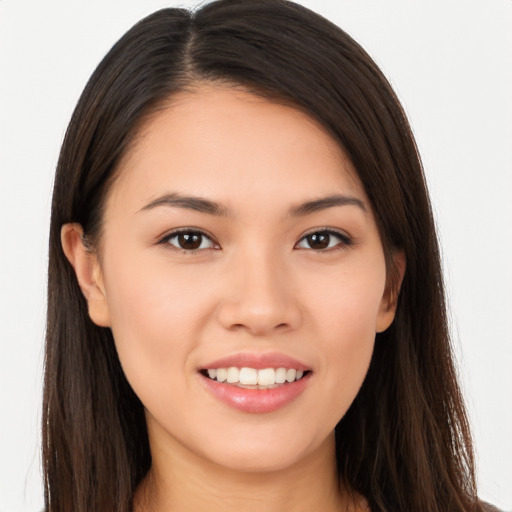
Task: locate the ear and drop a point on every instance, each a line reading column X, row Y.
column 389, row 300
column 88, row 272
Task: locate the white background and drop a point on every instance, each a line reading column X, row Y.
column 451, row 64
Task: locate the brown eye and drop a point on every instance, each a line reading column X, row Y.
column 322, row 240
column 318, row 240
column 189, row 241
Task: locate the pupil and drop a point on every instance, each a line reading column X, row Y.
column 189, row 241
column 319, row 240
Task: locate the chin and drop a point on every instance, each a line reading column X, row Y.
column 275, row 451
column 257, row 461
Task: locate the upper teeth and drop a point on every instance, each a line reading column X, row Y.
column 251, row 376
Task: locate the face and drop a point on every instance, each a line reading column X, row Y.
column 239, row 250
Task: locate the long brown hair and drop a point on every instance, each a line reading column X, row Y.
column 404, row 444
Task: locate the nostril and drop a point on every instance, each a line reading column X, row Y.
column 259, row 314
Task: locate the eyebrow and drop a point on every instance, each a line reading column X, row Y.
column 188, row 202
column 212, row 208
column 327, row 202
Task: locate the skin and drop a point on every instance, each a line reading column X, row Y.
column 255, row 285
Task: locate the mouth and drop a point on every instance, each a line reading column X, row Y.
column 256, row 383
column 254, row 378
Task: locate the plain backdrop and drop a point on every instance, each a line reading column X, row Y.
column 450, row 62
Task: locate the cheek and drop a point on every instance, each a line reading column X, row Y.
column 345, row 305
column 154, row 315
column 345, row 317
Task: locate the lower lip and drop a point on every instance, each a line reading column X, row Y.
column 257, row 400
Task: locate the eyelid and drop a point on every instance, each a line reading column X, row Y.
column 346, row 239
column 164, row 239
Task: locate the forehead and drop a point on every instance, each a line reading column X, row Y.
column 228, row 143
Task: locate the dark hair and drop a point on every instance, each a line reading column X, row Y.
column 404, row 444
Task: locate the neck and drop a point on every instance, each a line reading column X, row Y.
column 180, row 481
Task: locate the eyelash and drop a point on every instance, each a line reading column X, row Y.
column 344, row 240
column 191, row 232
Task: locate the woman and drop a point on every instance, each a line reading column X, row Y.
column 245, row 298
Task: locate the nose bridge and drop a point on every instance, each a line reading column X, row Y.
column 260, row 297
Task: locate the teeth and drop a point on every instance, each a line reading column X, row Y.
column 233, row 375
column 290, row 375
column 252, row 378
column 280, row 375
column 266, row 377
column 248, row 376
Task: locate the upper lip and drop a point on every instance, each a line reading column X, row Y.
column 257, row 361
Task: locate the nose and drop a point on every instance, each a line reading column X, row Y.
column 259, row 297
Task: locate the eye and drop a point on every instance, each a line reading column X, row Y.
column 189, row 240
column 324, row 240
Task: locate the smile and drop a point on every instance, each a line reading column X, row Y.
column 252, row 378
column 256, row 383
